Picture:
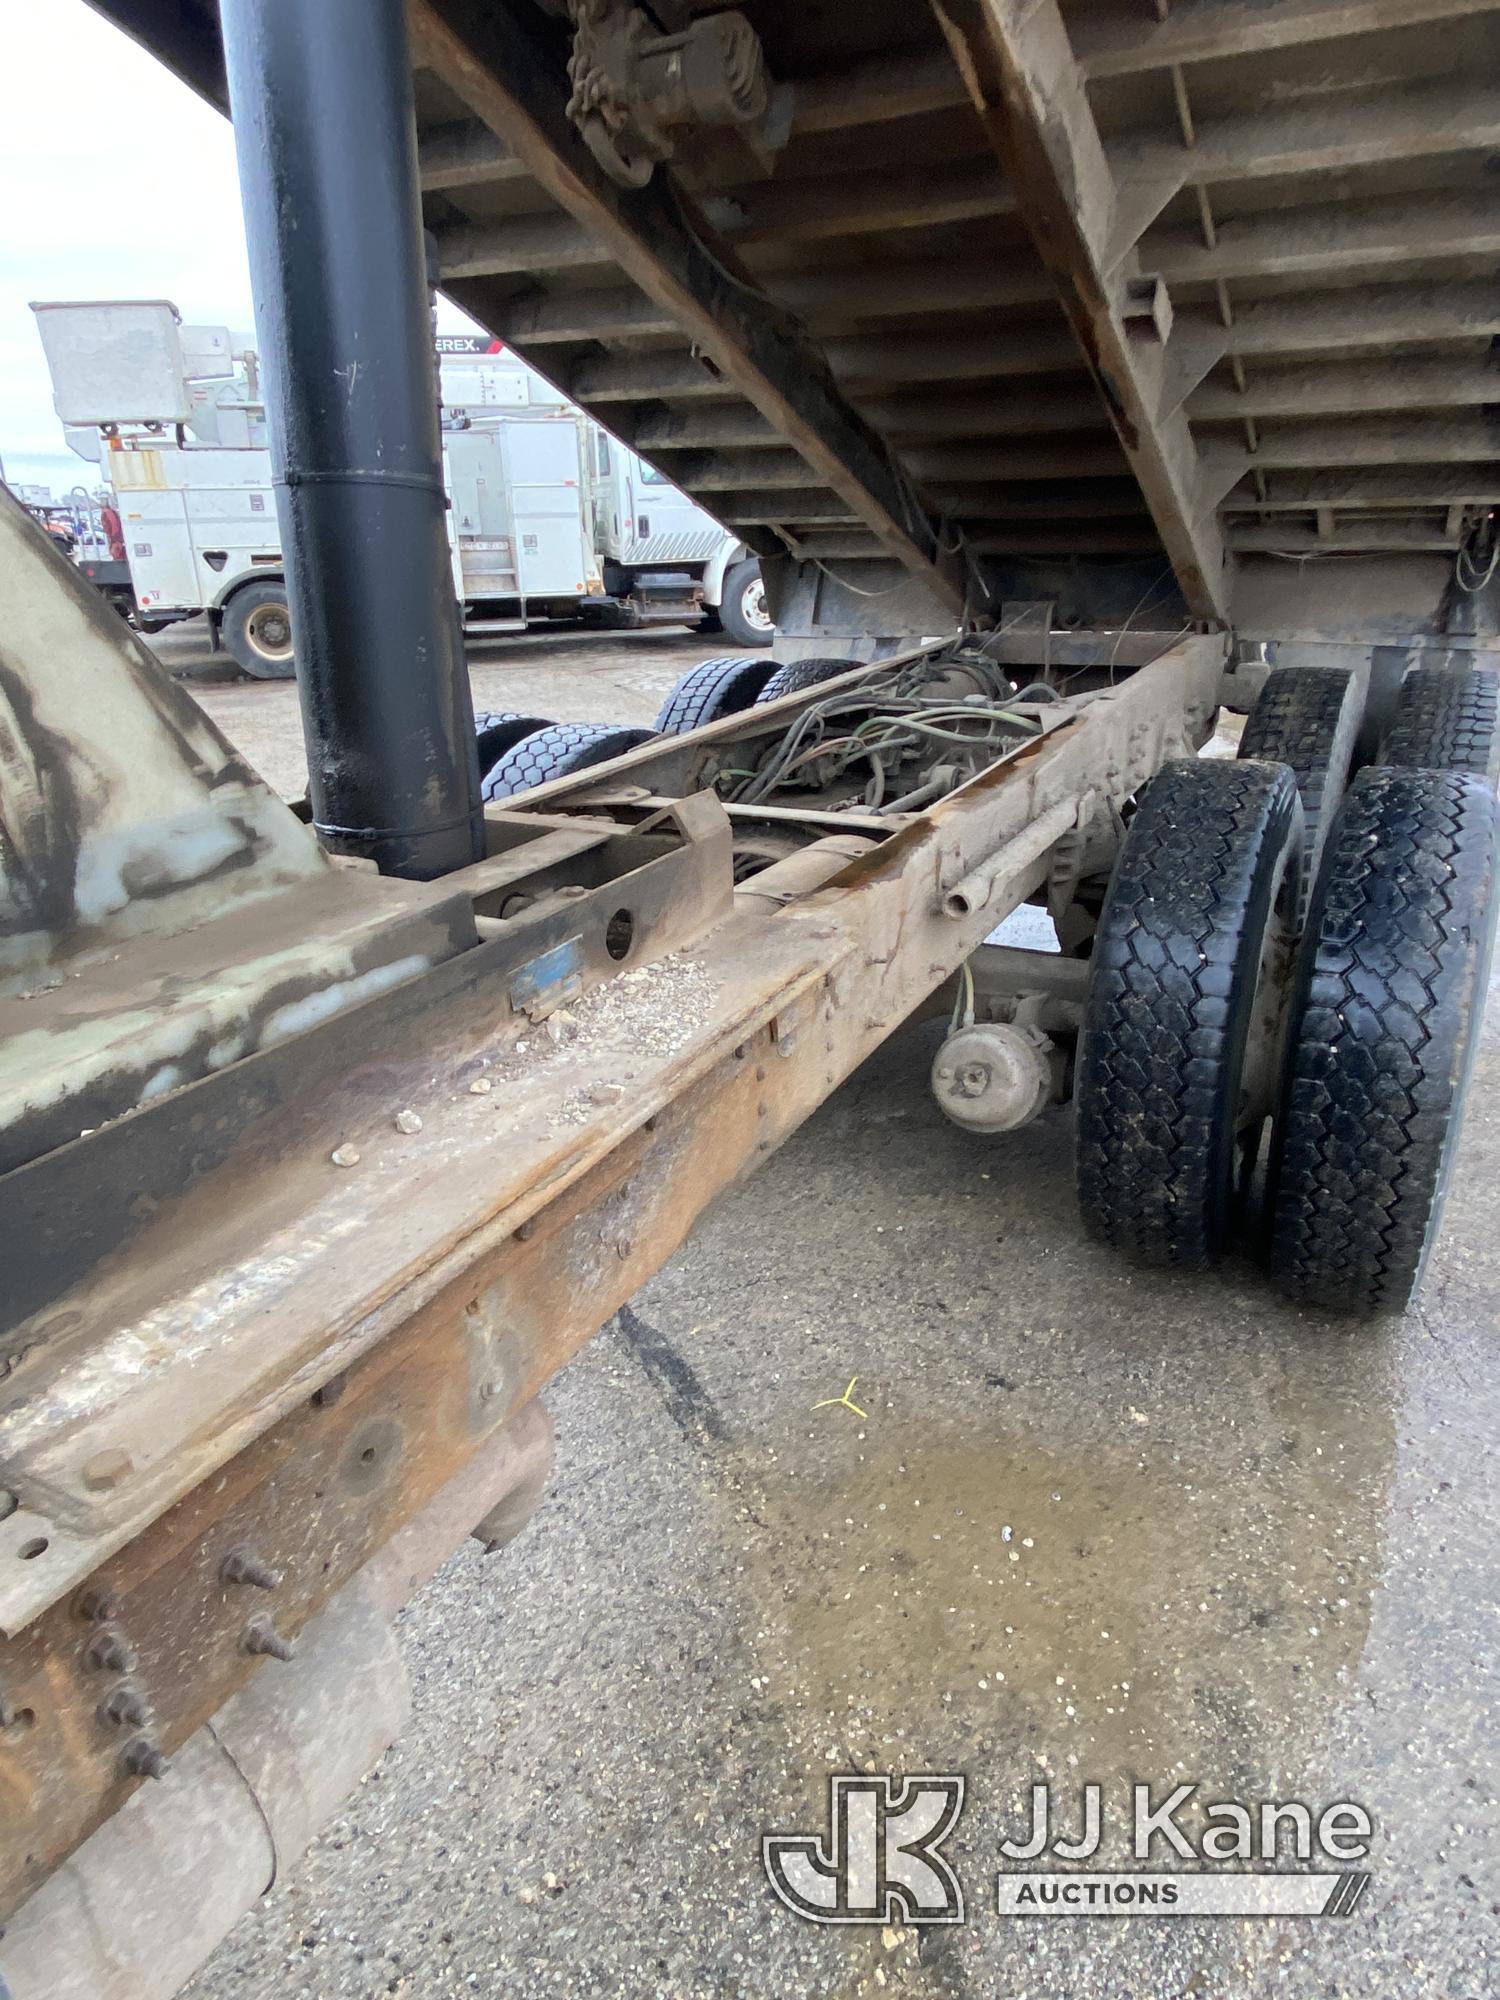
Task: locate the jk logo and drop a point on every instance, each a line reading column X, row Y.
column 879, row 1863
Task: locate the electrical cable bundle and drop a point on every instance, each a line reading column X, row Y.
column 859, row 727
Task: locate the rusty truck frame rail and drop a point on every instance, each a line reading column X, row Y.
column 391, row 1316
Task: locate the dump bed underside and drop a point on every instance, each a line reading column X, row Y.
column 1030, row 302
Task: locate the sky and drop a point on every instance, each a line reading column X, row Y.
column 116, row 182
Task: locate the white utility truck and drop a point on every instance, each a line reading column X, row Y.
column 661, row 552
column 544, row 521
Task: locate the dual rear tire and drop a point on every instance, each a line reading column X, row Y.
column 1199, row 1027
column 1384, row 1027
column 1210, row 869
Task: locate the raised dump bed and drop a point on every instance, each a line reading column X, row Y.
column 1019, row 301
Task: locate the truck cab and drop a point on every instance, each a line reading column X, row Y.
column 662, row 552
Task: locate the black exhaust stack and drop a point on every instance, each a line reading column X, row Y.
column 321, row 98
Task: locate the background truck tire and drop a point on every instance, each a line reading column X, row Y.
column 1308, row 718
column 711, row 691
column 1383, row 1028
column 1447, row 719
column 1388, row 667
column 256, row 629
column 1212, row 856
column 556, row 752
column 498, row 730
column 799, row 675
column 742, row 607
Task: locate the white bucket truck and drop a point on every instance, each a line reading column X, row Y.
column 548, row 517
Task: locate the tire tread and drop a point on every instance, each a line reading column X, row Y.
column 1447, row 719
column 712, row 690
column 1382, row 1031
column 497, row 730
column 1308, row 719
column 799, row 675
column 1170, row 986
column 556, row 752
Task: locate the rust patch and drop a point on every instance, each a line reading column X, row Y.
column 40, row 813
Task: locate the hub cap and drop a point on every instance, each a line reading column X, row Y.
column 269, row 630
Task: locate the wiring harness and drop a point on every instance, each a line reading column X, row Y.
column 902, row 745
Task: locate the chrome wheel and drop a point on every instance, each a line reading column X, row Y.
column 753, row 607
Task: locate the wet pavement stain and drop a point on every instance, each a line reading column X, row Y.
column 1081, row 1614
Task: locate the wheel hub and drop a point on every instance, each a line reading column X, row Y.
column 993, row 1077
column 270, row 631
column 753, row 604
